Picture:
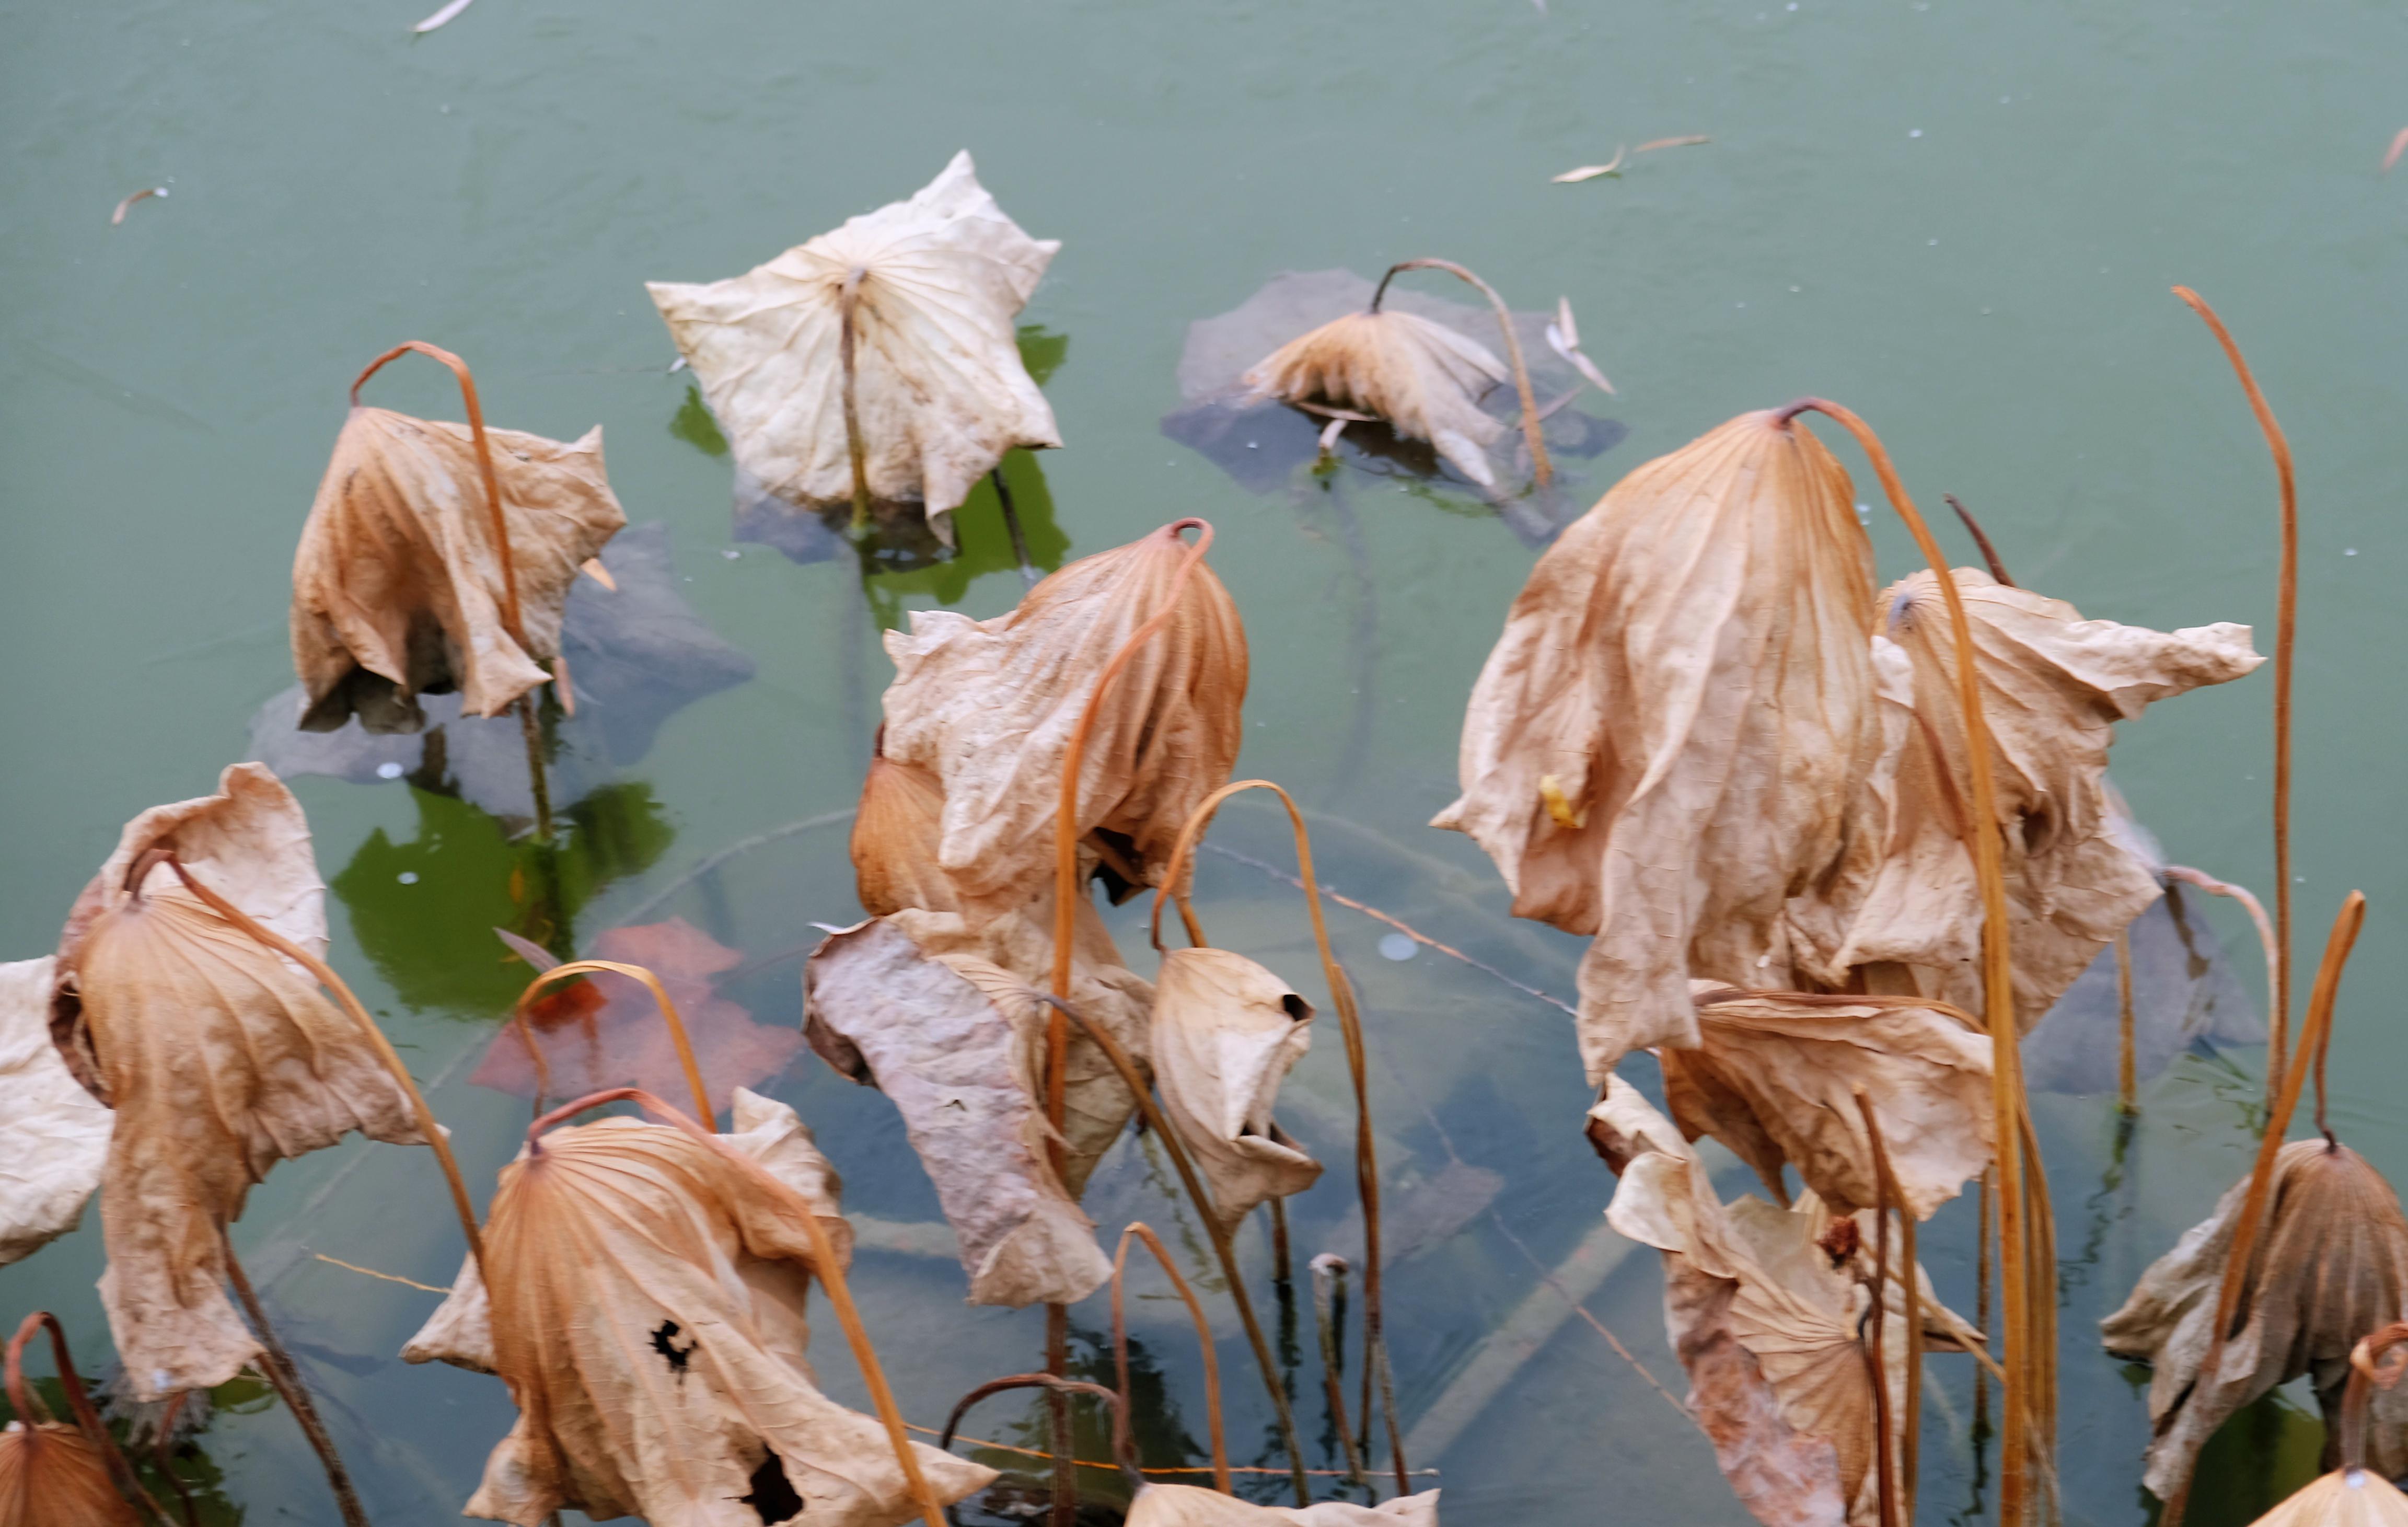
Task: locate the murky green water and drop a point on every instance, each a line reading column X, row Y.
column 1959, row 219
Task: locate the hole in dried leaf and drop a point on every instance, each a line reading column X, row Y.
column 1297, row 1008
column 773, row 1499
column 665, row 1342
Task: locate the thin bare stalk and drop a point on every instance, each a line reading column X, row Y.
column 848, row 300
column 1885, row 1439
column 659, row 999
column 1542, row 469
column 1329, row 1271
column 1140, row 1230
column 31, row 1413
column 2127, row 1078
column 2347, row 924
column 1981, row 1299
column 499, row 526
column 1124, row 1441
column 2027, row 1282
column 1350, row 1021
column 2278, row 1020
column 1065, row 1511
column 324, row 975
column 2287, row 620
column 2375, row 1362
column 286, row 1378
column 1974, row 527
column 1909, row 1278
column 825, row 1261
column 1282, row 1268
column 1209, row 1214
column 1012, row 526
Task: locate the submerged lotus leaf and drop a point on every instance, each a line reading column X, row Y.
column 1190, row 1506
column 2331, row 1265
column 1424, row 379
column 219, row 1057
column 51, row 1475
column 1774, row 1076
column 2053, row 686
column 57, row 1133
column 940, row 389
column 644, row 1298
column 397, row 586
column 1225, row 1030
column 957, row 1044
column 1764, row 1315
column 2343, row 1498
column 1661, row 748
column 988, row 709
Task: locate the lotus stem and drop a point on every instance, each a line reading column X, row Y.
column 32, row 1412
column 286, row 1378
column 2286, row 620
column 2278, row 1020
column 1124, row 1443
column 1329, row 1271
column 324, row 973
column 2375, row 1362
column 1870, row 1327
column 1974, row 527
column 660, row 999
column 1542, row 469
column 2347, row 924
column 1012, row 526
column 1909, row 1278
column 1206, row 1211
column 827, row 1264
column 2128, row 1081
column 1350, row 1024
column 848, row 300
column 531, row 731
column 1981, row 1301
column 2028, row 1281
column 1140, row 1230
column 1065, row 1512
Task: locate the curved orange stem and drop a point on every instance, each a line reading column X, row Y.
column 660, row 998
column 1140, row 1230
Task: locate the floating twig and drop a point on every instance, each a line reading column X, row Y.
column 1591, row 172
column 441, row 17
column 149, row 191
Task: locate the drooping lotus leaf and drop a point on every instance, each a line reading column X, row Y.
column 644, row 1299
column 397, row 586
column 2330, row 1265
column 56, row 1132
column 1659, row 750
column 1191, row 1505
column 1225, row 1032
column 1774, row 1075
column 897, row 833
column 2343, row 1498
column 2053, row 686
column 52, row 1474
column 1424, row 379
column 939, row 390
column 988, row 709
column 219, row 1057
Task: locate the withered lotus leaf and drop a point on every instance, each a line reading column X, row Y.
column 397, row 586
column 1189, row 1505
column 897, row 833
column 2330, row 1265
column 1774, row 1075
column 644, row 1299
column 1660, row 749
column 1763, row 1306
column 57, row 1133
column 2343, row 1498
column 2053, row 686
column 931, row 1034
column 939, row 390
column 988, row 709
column 1422, row 378
column 1225, row 1030
column 219, row 1057
column 51, row 1475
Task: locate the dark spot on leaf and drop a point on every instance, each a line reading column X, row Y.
column 665, row 1342
column 773, row 1499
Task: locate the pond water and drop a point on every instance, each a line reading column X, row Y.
column 1959, row 219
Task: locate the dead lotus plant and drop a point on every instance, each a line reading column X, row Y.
column 2299, row 1260
column 1421, row 377
column 1658, row 750
column 1225, row 1030
column 1775, row 1074
column 2053, row 686
column 876, row 363
column 57, row 1132
column 58, row 1474
column 643, row 1296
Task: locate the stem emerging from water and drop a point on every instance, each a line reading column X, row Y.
column 2274, row 953
column 1140, row 1230
column 1911, row 1279
column 286, row 1377
column 1542, row 469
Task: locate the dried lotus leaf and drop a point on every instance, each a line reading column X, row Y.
column 1225, row 1032
column 1190, row 1506
column 57, row 1132
column 939, row 390
column 1689, row 665
column 1422, row 377
column 896, row 835
column 397, row 586
column 219, row 1057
